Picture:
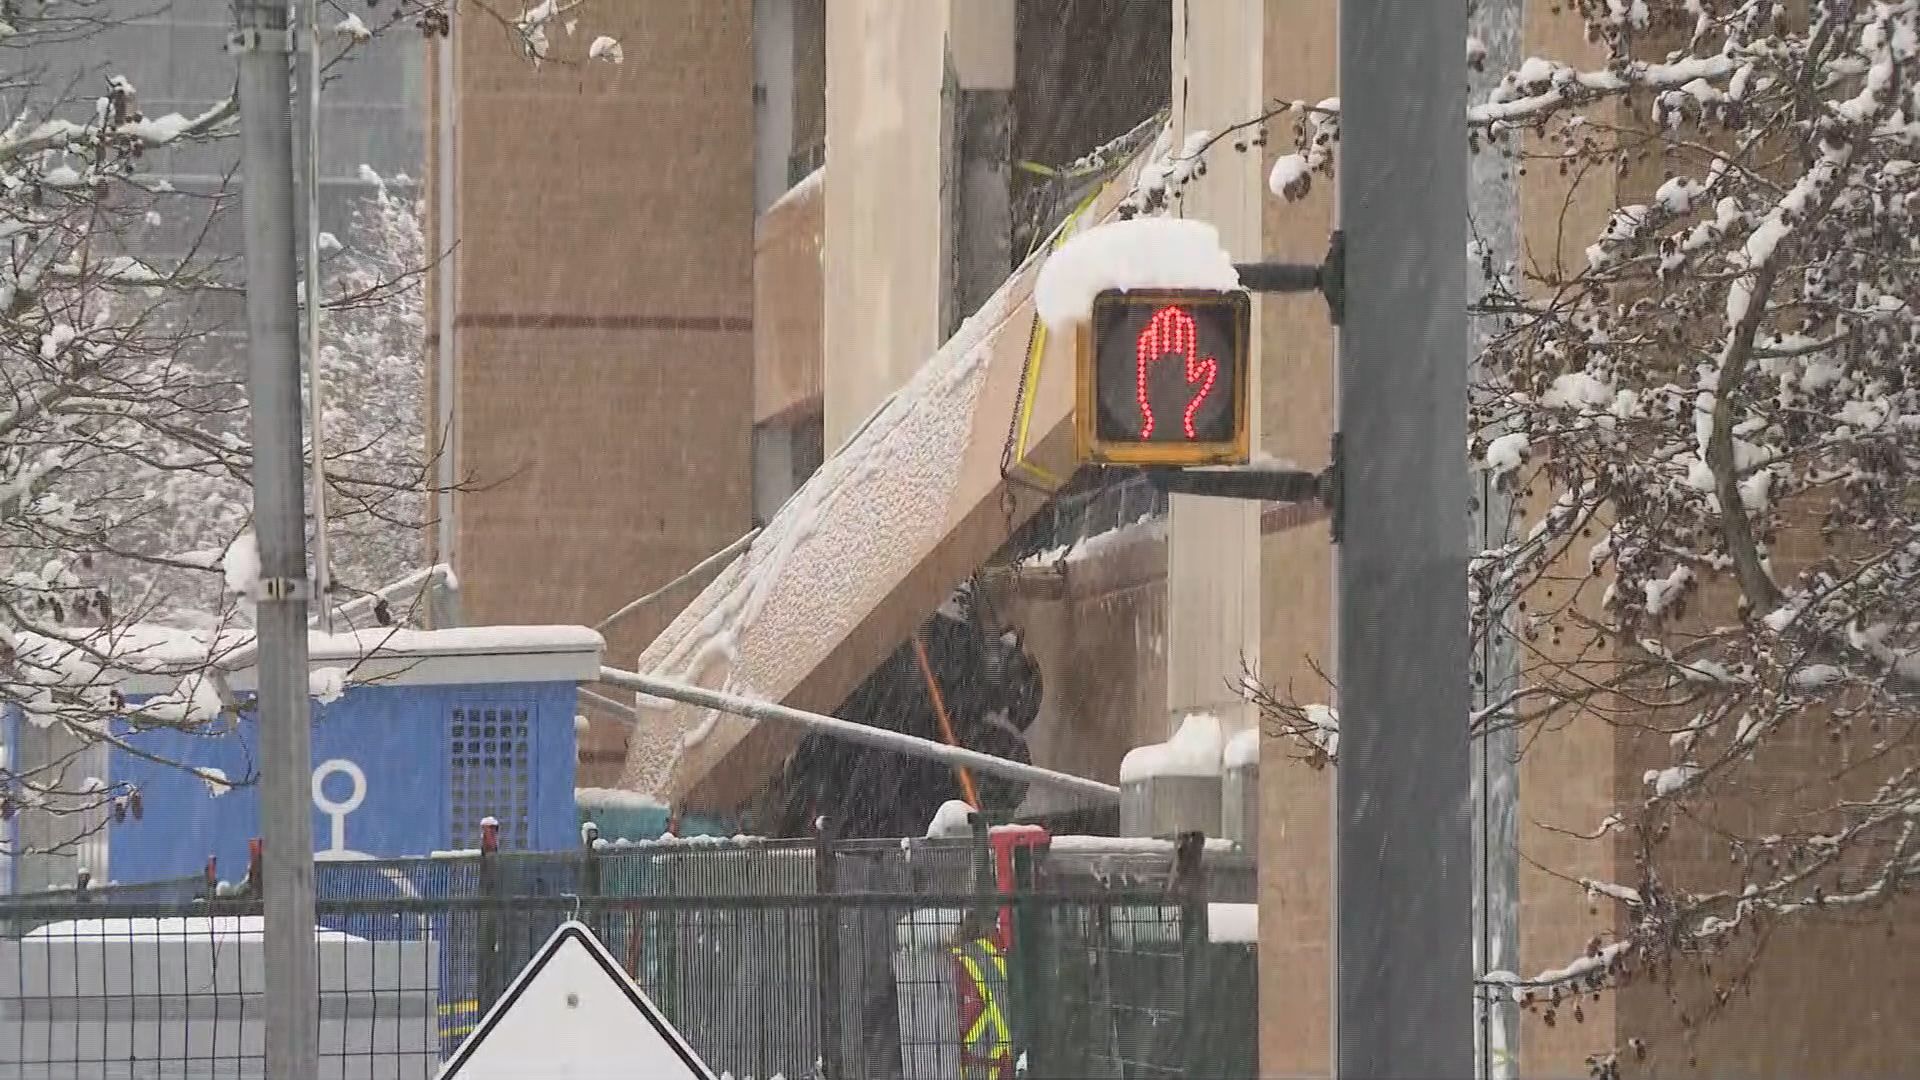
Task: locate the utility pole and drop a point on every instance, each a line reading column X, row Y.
column 310, row 75
column 262, row 44
column 1403, row 853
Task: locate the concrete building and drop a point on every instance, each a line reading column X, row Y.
column 685, row 282
column 862, row 276
column 593, row 324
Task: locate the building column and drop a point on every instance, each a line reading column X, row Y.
column 979, row 156
column 773, row 88
column 886, row 267
column 1213, row 549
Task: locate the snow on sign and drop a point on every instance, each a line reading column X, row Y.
column 573, row 1014
column 1163, row 378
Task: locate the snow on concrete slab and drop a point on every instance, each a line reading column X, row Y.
column 841, row 551
column 1196, row 749
column 828, row 557
column 1140, row 253
column 808, row 186
column 599, row 798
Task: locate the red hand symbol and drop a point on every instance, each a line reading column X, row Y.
column 1172, row 331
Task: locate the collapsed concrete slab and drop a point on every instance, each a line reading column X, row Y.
column 912, row 504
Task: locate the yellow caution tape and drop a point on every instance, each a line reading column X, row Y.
column 1036, row 353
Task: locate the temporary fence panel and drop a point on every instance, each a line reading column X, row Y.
column 797, row 958
column 183, row 996
column 928, row 1001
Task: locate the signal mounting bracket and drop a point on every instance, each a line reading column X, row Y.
column 1329, row 278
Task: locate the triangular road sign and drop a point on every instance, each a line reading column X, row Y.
column 573, row 1014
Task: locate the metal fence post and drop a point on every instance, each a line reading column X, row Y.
column 590, row 870
column 826, row 931
column 1190, row 889
column 592, row 889
column 492, row 977
column 984, row 882
column 1031, row 1022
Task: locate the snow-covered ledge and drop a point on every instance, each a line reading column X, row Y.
column 874, row 541
column 146, row 659
column 468, row 655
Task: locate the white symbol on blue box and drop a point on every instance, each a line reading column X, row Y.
column 338, row 810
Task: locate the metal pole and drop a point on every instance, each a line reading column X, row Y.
column 266, row 142
column 1495, row 201
column 316, row 400
column 695, row 571
column 879, row 738
column 446, row 394
column 1403, row 855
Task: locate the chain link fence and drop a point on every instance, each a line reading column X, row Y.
column 773, row 958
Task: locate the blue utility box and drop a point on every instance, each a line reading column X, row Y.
column 432, row 732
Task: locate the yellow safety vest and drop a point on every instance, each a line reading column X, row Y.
column 988, row 1039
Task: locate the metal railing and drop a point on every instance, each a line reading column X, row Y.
column 793, row 958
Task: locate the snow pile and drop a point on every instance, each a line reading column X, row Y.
column 606, row 48
column 215, row 779
column 1243, row 750
column 1126, row 845
column 1665, row 782
column 1507, row 453
column 157, row 131
column 704, row 840
column 175, row 929
column 326, row 684
column 241, row 567
column 1598, row 960
column 1236, row 923
column 1320, row 729
column 1140, row 253
column 463, row 640
column 1144, row 529
column 195, row 701
column 599, row 798
column 950, row 820
column 1290, row 176
column 1195, row 750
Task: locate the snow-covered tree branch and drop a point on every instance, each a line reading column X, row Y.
column 125, row 555
column 1710, row 420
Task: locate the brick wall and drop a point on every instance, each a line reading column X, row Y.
column 604, row 318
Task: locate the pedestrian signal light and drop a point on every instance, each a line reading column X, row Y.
column 1163, row 378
